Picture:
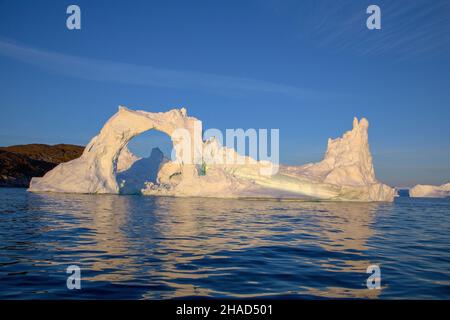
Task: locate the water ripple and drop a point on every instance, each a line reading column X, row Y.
column 132, row 247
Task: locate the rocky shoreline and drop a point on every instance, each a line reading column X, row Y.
column 18, row 164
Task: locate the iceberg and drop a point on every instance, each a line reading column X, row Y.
column 140, row 172
column 106, row 166
column 126, row 159
column 430, row 191
column 95, row 171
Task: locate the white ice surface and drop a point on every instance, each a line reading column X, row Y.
column 430, row 191
column 345, row 174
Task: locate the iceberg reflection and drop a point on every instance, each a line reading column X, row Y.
column 164, row 247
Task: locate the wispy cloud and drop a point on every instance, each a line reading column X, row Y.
column 108, row 71
column 409, row 28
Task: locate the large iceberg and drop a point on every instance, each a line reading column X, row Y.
column 345, row 174
column 430, row 191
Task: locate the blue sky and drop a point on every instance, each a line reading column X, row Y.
column 305, row 67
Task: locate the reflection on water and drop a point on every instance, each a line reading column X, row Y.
column 159, row 247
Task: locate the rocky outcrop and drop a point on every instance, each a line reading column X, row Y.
column 55, row 154
column 18, row 164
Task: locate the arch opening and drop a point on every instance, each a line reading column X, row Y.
column 141, row 159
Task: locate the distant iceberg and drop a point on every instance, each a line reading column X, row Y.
column 345, row 174
column 430, row 191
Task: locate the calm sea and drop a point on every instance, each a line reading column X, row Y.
column 136, row 247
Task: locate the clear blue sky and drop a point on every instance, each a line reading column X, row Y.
column 305, row 67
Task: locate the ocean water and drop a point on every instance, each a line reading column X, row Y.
column 136, row 247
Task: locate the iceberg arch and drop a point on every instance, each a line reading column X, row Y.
column 345, row 174
column 95, row 171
